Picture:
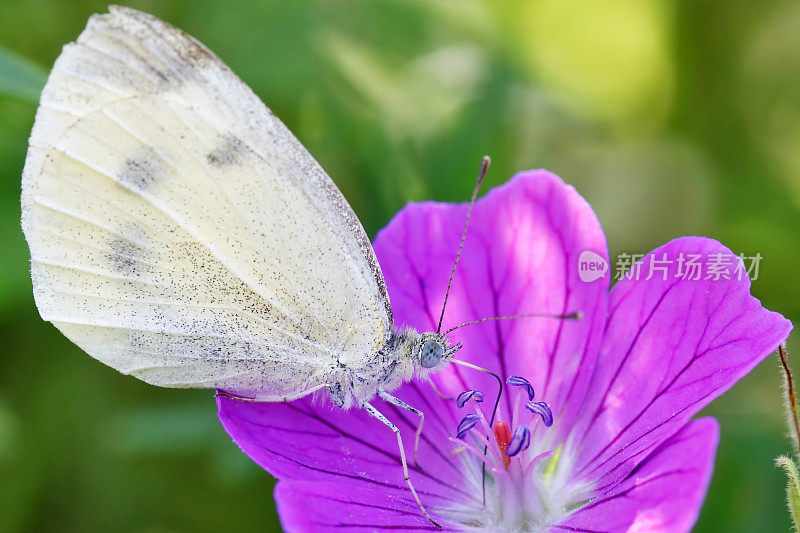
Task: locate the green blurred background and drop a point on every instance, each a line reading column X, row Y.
column 671, row 118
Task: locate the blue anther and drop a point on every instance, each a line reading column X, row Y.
column 521, row 382
column 464, row 397
column 467, row 423
column 543, row 410
column 520, row 441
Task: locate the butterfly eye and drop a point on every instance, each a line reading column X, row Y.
column 431, row 354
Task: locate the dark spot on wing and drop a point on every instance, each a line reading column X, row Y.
column 139, row 173
column 124, row 256
column 227, row 153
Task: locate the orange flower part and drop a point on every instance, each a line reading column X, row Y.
column 502, row 433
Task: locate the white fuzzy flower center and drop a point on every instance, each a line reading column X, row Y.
column 528, row 490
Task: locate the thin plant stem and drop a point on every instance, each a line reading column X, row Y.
column 791, row 398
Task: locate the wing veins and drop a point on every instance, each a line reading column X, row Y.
column 41, row 202
column 231, row 307
column 170, row 215
column 221, row 189
column 144, row 74
column 181, row 224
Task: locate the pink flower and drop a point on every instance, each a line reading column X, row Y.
column 620, row 386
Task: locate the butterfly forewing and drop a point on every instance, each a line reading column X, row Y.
column 180, row 233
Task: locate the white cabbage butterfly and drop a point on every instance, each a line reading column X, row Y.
column 181, row 234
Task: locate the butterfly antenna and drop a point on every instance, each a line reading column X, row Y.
column 485, row 162
column 491, row 420
column 576, row 315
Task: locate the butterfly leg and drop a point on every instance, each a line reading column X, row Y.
column 385, row 396
column 439, row 393
column 377, row 414
column 284, row 399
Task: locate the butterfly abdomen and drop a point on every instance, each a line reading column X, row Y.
column 392, row 365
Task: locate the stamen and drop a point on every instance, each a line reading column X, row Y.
column 518, row 381
column 513, row 494
column 518, row 398
column 502, row 433
column 520, row 441
column 467, row 423
column 464, row 397
column 542, row 409
column 465, row 446
column 535, row 460
column 480, row 438
column 487, row 431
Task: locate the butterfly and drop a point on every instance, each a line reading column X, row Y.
column 181, row 234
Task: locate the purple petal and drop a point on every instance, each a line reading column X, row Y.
column 464, row 397
column 521, row 255
column 664, row 494
column 467, row 423
column 520, row 441
column 671, row 346
column 517, row 381
column 543, row 410
column 309, row 440
column 323, row 506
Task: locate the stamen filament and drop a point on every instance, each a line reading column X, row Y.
column 528, row 469
column 489, row 431
column 469, row 447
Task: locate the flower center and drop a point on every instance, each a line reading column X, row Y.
column 516, row 473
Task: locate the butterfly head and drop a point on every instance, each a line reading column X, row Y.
column 433, row 349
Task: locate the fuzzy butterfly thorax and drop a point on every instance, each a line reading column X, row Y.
column 398, row 361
